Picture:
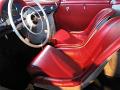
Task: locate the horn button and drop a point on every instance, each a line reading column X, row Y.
column 32, row 20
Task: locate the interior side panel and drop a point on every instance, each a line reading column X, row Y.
column 69, row 15
column 75, row 15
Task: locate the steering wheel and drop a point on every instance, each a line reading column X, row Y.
column 35, row 24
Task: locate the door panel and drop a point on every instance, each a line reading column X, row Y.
column 75, row 15
column 70, row 15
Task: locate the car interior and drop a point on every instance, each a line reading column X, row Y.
column 58, row 44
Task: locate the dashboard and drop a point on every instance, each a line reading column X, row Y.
column 17, row 7
column 15, row 11
column 5, row 26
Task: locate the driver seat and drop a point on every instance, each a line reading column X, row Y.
column 65, row 39
column 76, row 66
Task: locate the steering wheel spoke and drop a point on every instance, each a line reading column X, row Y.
column 34, row 23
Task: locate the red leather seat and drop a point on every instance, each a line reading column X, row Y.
column 74, row 66
column 64, row 38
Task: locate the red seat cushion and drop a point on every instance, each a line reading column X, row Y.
column 64, row 37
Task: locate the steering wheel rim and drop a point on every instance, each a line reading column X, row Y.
column 10, row 3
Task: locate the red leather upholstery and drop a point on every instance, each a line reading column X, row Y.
column 71, row 66
column 63, row 37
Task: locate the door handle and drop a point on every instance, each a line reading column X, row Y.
column 84, row 6
column 67, row 8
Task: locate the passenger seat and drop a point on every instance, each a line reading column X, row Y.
column 64, row 38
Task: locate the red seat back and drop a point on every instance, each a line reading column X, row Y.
column 100, row 18
column 103, row 16
column 106, row 35
column 106, row 40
